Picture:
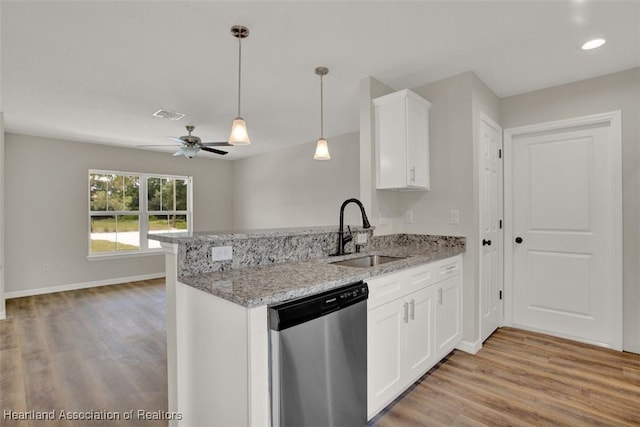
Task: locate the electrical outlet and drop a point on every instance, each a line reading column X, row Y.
column 454, row 216
column 46, row 267
column 409, row 217
column 361, row 238
column 383, row 220
column 221, row 253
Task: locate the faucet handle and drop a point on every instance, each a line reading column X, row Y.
column 348, row 236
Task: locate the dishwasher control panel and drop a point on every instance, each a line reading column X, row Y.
column 291, row 313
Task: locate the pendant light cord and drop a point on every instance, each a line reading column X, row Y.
column 239, row 71
column 321, row 108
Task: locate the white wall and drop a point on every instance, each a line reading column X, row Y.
column 618, row 91
column 452, row 180
column 452, row 175
column 287, row 188
column 2, row 215
column 46, row 208
column 456, row 103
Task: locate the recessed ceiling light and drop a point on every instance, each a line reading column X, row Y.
column 592, row 44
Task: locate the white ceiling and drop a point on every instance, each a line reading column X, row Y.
column 95, row 71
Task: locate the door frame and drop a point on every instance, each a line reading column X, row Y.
column 613, row 120
column 501, row 202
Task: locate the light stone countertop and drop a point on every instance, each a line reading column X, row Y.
column 271, row 284
column 206, row 236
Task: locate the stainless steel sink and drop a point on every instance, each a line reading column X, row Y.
column 368, row 261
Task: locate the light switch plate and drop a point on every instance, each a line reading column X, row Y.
column 221, row 253
column 409, row 217
column 454, row 216
column 361, row 238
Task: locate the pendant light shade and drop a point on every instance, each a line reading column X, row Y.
column 322, row 148
column 239, row 134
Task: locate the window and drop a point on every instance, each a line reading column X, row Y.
column 124, row 207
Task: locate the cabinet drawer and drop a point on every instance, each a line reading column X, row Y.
column 420, row 277
column 383, row 289
column 448, row 268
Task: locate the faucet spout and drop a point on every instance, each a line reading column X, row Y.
column 342, row 239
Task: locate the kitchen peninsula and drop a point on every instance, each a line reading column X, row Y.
column 217, row 328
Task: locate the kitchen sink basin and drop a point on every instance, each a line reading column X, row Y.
column 368, row 261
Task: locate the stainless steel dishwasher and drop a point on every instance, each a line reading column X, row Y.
column 319, row 359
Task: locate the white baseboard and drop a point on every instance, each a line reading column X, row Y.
column 83, row 285
column 470, row 347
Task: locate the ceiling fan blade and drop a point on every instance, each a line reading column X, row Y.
column 216, row 144
column 176, row 139
column 213, row 150
column 158, row 145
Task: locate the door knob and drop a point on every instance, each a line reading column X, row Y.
column 486, row 242
column 518, row 239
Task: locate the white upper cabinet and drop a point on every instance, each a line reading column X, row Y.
column 402, row 141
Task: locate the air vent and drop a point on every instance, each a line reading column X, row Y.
column 166, row 114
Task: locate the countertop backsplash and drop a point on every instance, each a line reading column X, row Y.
column 271, row 247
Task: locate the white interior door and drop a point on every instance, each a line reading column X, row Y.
column 491, row 238
column 566, row 233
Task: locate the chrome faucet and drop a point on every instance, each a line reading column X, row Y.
column 342, row 239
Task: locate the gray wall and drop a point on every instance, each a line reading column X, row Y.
column 287, row 188
column 452, row 180
column 46, row 208
column 453, row 184
column 2, row 215
column 619, row 91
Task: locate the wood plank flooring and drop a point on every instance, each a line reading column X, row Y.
column 521, row 378
column 104, row 349
column 91, row 350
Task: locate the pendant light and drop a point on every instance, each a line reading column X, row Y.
column 322, row 149
column 239, row 135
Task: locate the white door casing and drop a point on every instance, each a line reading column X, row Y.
column 563, row 198
column 491, row 236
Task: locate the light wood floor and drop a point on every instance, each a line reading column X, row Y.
column 88, row 350
column 521, row 378
column 104, row 349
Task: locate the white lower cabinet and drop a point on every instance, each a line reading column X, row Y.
column 407, row 335
column 448, row 315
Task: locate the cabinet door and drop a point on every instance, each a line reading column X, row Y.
column 448, row 315
column 417, row 144
column 421, row 355
column 385, row 354
column 390, row 137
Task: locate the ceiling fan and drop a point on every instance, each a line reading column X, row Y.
column 191, row 144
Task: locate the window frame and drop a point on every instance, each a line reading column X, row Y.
column 143, row 212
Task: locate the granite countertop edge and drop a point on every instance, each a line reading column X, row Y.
column 253, row 287
column 204, row 236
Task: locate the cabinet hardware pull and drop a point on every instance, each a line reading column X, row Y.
column 406, row 312
column 413, row 174
column 440, row 296
column 412, row 316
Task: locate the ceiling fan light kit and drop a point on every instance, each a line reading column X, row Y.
column 322, row 148
column 191, row 144
column 239, row 134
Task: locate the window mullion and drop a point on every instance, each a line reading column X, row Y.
column 144, row 216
